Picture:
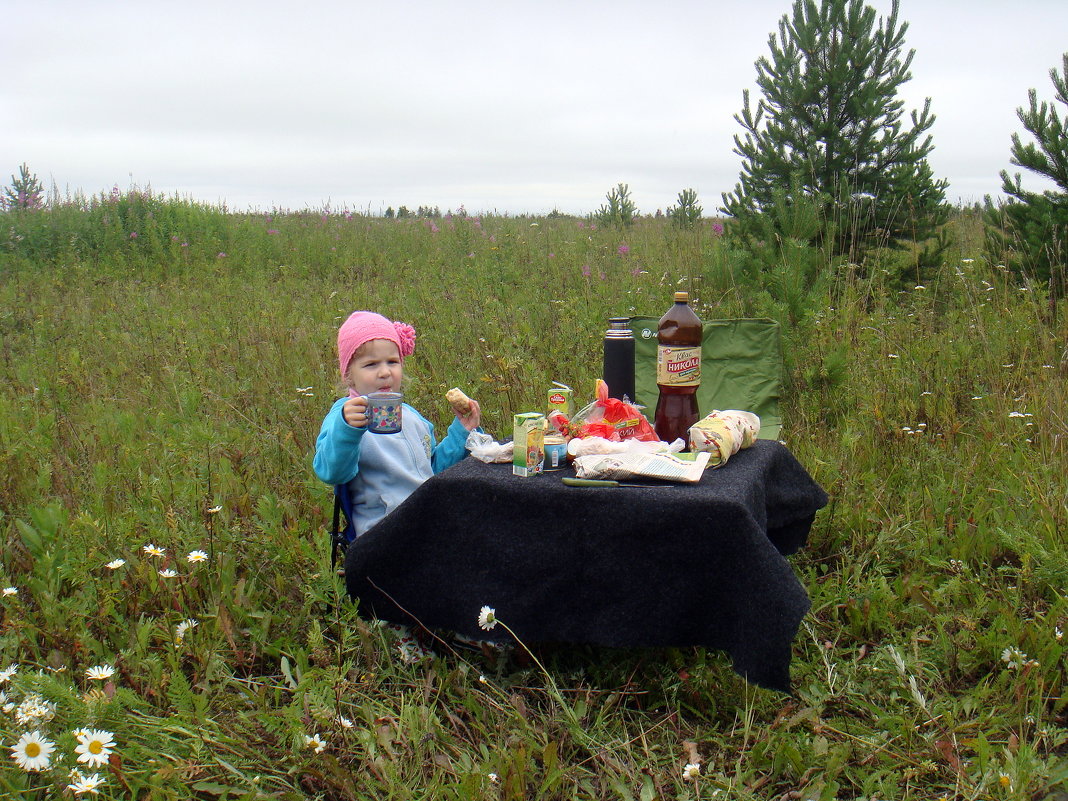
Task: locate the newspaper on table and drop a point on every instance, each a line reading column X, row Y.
column 636, row 464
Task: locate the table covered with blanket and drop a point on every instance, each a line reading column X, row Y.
column 676, row 565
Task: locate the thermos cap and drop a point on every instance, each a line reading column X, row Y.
column 682, row 297
column 619, row 328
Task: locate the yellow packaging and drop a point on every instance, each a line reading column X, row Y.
column 561, row 398
column 528, row 443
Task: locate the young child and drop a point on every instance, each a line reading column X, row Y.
column 381, row 469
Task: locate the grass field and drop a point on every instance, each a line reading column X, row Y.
column 164, row 369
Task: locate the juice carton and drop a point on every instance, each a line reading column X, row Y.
column 528, row 448
column 562, row 398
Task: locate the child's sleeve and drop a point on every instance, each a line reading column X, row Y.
column 452, row 448
column 337, row 449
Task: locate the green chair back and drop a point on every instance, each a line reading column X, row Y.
column 741, row 368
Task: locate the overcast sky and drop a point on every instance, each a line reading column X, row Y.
column 497, row 106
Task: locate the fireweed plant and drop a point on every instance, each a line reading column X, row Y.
column 165, row 589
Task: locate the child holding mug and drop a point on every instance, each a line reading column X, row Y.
column 381, row 470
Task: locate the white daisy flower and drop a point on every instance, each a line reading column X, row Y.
column 493, row 777
column 344, row 722
column 214, row 510
column 184, row 628
column 168, row 573
column 85, row 784
column 100, row 672
column 154, row 550
column 7, row 673
column 94, row 747
column 487, row 618
column 9, row 591
column 1013, row 657
column 34, row 709
column 33, row 752
column 196, row 556
column 315, row 742
column 692, row 770
column 115, row 564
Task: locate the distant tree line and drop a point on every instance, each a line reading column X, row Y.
column 831, row 162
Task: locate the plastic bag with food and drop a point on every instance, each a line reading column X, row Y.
column 612, row 419
column 484, row 448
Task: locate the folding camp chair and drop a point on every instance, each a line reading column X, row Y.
column 741, row 368
column 341, row 537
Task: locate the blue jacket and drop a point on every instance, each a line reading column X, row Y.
column 381, row 470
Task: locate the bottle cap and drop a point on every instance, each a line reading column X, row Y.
column 682, row 297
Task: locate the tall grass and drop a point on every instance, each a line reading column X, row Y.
column 166, row 389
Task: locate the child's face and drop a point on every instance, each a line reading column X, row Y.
column 375, row 368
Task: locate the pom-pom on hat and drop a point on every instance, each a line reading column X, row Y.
column 363, row 326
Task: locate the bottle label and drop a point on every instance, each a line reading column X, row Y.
column 678, row 367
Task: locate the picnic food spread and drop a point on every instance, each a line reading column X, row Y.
column 611, row 437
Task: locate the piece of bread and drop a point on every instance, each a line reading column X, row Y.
column 460, row 403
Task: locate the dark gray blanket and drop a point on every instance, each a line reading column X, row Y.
column 677, row 565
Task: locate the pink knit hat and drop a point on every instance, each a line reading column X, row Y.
column 363, row 326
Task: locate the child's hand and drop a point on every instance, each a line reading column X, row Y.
column 355, row 412
column 471, row 420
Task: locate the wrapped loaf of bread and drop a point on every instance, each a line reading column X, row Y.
column 723, row 434
column 460, row 403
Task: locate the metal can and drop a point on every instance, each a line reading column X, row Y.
column 555, row 452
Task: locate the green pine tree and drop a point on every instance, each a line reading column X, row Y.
column 1030, row 231
column 829, row 133
column 25, row 191
column 688, row 212
column 620, row 209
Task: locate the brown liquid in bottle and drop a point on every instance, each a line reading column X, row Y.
column 678, row 370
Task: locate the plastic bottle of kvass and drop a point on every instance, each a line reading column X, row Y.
column 678, row 370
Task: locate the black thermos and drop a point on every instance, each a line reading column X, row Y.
column 619, row 359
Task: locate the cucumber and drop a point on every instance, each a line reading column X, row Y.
column 588, row 482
